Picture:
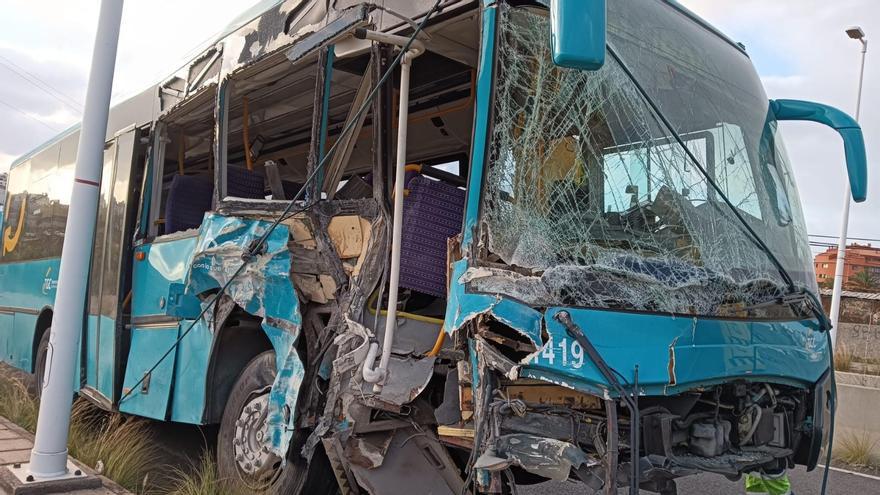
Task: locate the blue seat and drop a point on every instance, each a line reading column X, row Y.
column 244, row 183
column 432, row 213
column 189, row 198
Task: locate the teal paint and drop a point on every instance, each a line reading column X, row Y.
column 100, row 354
column 22, row 342
column 846, row 126
column 462, row 306
column 91, row 333
column 106, row 359
column 191, row 372
column 264, row 289
column 674, row 353
column 577, row 33
column 165, row 262
column 7, row 320
column 481, row 124
column 33, row 290
column 325, row 112
column 677, row 353
column 35, row 285
column 147, row 346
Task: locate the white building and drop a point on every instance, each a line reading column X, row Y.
column 2, row 189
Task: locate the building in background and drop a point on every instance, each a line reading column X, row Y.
column 861, row 271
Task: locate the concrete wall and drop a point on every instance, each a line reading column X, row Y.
column 861, row 339
column 858, row 404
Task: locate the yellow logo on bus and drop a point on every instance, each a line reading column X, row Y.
column 10, row 240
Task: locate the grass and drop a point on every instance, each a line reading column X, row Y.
column 856, row 449
column 121, row 448
column 17, row 404
column 203, row 479
column 843, row 358
column 124, row 446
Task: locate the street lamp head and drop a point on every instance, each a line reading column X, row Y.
column 855, row 32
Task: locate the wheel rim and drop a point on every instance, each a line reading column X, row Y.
column 250, row 444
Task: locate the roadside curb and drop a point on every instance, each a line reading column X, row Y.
column 14, row 437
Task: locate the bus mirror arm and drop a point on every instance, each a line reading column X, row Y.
column 846, row 126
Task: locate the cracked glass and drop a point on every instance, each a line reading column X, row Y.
column 590, row 201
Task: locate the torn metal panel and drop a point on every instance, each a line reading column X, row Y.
column 264, row 289
column 545, row 457
column 496, row 360
column 463, row 306
column 407, row 377
column 346, row 21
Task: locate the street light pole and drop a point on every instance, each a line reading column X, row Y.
column 49, row 455
column 855, row 33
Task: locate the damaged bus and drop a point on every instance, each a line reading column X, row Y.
column 448, row 247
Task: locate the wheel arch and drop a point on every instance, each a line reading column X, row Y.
column 44, row 321
column 239, row 340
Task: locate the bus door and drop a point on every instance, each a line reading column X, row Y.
column 107, row 280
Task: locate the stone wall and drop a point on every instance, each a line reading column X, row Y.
column 861, row 339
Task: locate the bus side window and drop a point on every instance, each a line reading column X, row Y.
column 183, row 157
column 268, row 133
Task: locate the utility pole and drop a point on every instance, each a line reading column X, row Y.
column 855, row 33
column 49, row 456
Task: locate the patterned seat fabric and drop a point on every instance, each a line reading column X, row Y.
column 188, row 199
column 244, row 183
column 432, row 213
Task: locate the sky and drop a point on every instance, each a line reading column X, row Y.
column 798, row 46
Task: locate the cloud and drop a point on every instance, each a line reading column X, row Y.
column 54, row 43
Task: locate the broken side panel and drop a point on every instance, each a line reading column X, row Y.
column 260, row 284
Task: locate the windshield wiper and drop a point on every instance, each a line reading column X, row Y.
column 660, row 115
column 793, row 299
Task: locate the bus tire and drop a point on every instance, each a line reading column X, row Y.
column 240, row 455
column 40, row 362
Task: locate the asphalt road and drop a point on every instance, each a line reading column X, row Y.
column 804, row 483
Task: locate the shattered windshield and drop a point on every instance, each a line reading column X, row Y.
column 590, row 201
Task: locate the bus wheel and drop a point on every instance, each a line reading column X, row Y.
column 243, row 453
column 40, row 362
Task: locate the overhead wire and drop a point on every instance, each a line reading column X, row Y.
column 41, row 84
column 30, row 116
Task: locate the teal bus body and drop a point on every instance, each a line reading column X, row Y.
column 272, row 94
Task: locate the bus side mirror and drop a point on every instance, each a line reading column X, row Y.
column 577, row 33
column 846, row 126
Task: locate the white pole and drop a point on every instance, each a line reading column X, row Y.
column 377, row 375
column 844, row 224
column 49, row 456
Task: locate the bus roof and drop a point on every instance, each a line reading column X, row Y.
column 257, row 10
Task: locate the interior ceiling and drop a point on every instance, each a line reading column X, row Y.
column 280, row 102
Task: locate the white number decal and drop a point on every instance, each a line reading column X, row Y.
column 577, row 354
column 547, row 353
column 572, row 353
